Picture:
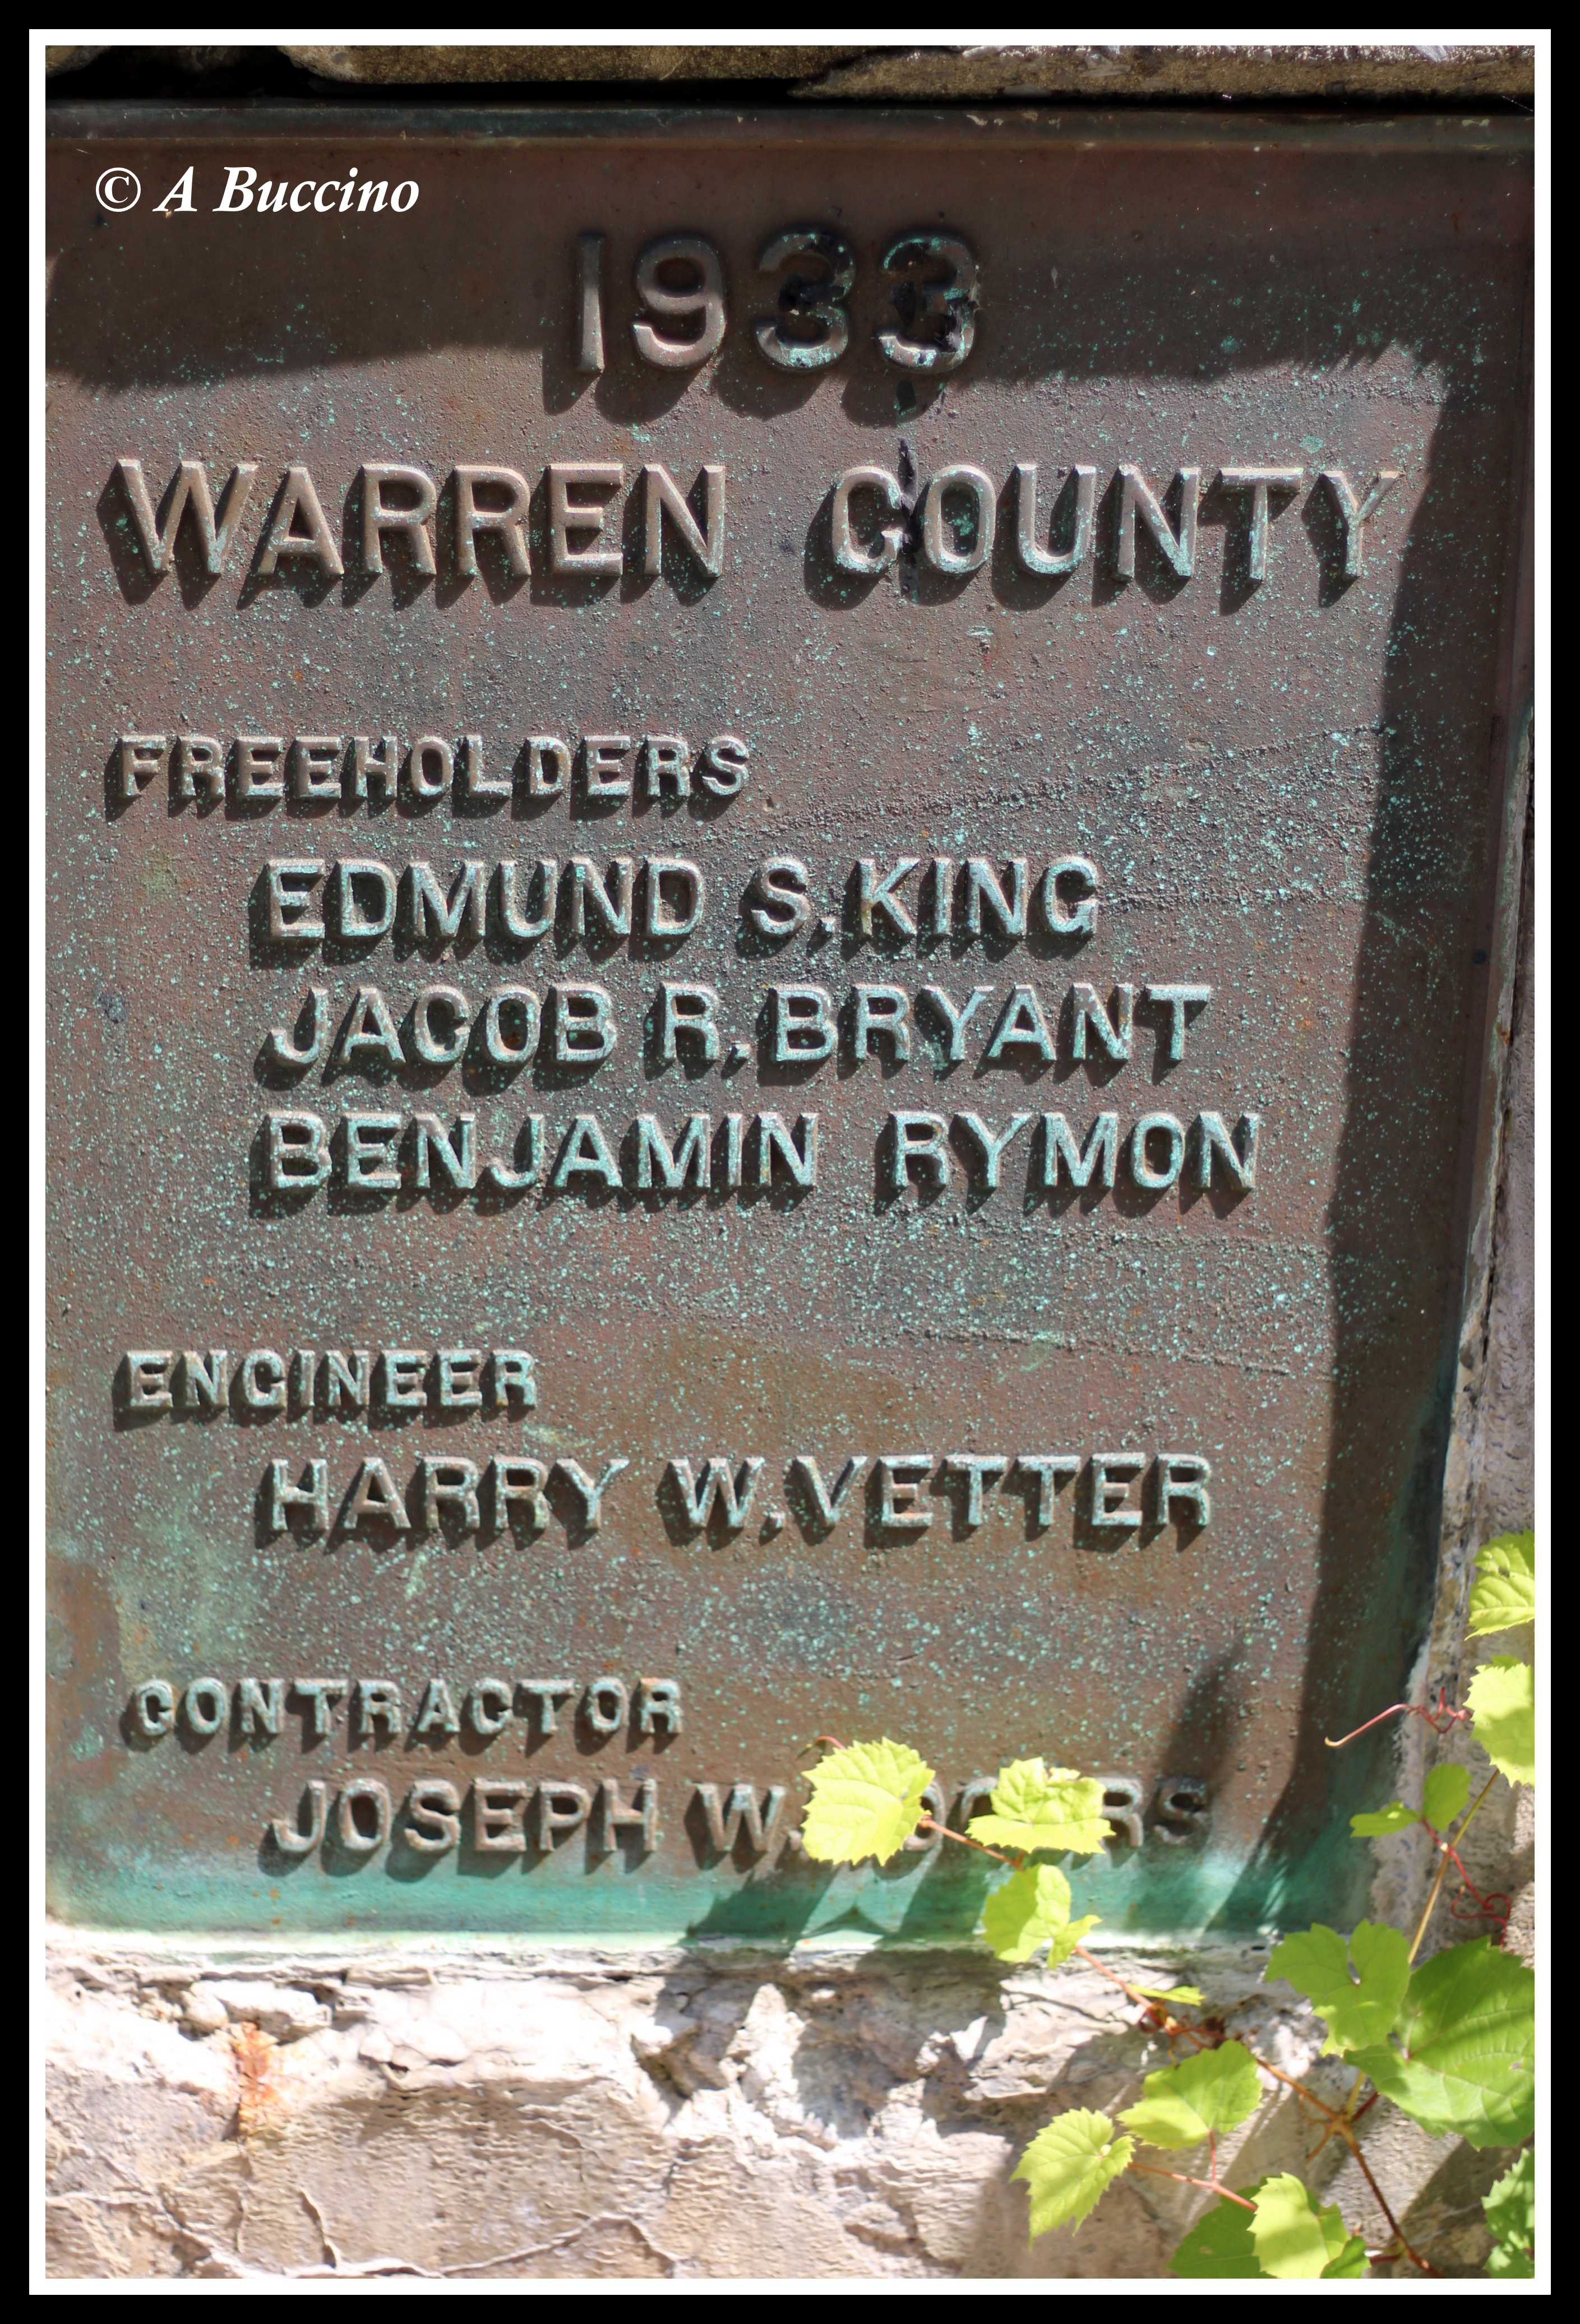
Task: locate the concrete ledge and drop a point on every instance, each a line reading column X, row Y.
column 472, row 2113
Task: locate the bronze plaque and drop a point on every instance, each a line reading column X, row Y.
column 773, row 865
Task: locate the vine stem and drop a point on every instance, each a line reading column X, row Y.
column 1337, row 1742
column 1214, row 2186
column 1339, row 2119
column 932, row 1823
column 1439, row 1720
column 1445, row 1856
column 1336, row 2118
column 1399, row 2236
column 1349, row 2116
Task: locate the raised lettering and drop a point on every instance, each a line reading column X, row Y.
column 702, row 302
column 1137, row 498
column 1033, row 556
column 661, row 497
column 187, row 499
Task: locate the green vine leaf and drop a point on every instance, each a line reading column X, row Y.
column 1037, row 1808
column 1380, row 1823
column 1032, row 1908
column 1221, row 2243
column 1290, row 2235
column 1065, row 1943
column 866, row 1801
column 1510, row 2205
column 1185, row 1996
column 1467, row 2035
column 1503, row 1595
column 1346, row 2253
column 1358, row 2005
column 1068, row 2166
column 1502, row 1706
column 1180, row 2105
column 1444, row 1794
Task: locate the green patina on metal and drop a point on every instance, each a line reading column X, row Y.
column 1249, row 751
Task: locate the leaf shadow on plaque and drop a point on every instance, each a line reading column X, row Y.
column 1202, row 1745
column 952, row 1883
column 921, row 582
column 774, row 1905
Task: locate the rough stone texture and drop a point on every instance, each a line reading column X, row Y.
column 69, row 59
column 1489, row 1480
column 1370, row 74
column 1415, row 73
column 1504, row 1452
column 457, row 67
column 416, row 2112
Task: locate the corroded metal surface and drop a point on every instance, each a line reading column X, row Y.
column 1251, row 750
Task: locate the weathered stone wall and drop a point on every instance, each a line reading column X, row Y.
column 1411, row 73
column 1489, row 1480
column 417, row 2112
